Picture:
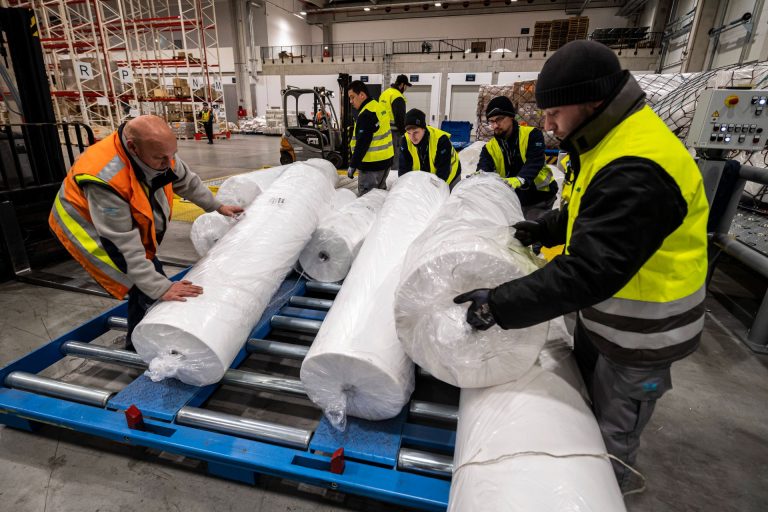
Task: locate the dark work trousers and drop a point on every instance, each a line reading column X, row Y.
column 138, row 304
column 623, row 399
column 369, row 180
column 209, row 131
column 534, row 211
column 397, row 138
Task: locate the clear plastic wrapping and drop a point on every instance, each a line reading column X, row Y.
column 196, row 341
column 208, row 229
column 243, row 189
column 356, row 365
column 508, row 435
column 342, row 198
column 469, row 245
column 329, row 254
column 470, row 157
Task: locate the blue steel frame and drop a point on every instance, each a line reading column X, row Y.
column 370, row 447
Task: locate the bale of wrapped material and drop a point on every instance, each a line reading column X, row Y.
column 356, row 365
column 342, row 198
column 196, row 341
column 470, row 157
column 468, row 245
column 243, row 189
column 329, row 254
column 208, row 229
column 532, row 444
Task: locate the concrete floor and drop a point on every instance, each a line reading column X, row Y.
column 706, row 448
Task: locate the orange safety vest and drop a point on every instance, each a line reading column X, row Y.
column 103, row 164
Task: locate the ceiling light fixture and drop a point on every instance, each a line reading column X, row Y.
column 366, row 9
column 303, row 13
column 438, row 4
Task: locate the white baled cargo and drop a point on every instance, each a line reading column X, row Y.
column 329, row 254
column 208, row 229
column 342, row 198
column 240, row 190
column 197, row 340
column 533, row 444
column 469, row 245
column 243, row 189
column 356, row 365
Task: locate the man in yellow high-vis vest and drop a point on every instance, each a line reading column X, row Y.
column 371, row 144
column 635, row 259
column 516, row 153
column 393, row 101
column 425, row 148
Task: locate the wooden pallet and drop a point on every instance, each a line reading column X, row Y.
column 578, row 28
column 559, row 34
column 541, row 32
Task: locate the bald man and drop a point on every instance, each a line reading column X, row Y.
column 114, row 206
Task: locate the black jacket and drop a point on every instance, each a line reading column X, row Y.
column 514, row 166
column 629, row 208
column 398, row 113
column 366, row 126
column 442, row 158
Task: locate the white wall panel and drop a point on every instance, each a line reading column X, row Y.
column 465, row 99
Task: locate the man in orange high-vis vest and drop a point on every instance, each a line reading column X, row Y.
column 114, row 207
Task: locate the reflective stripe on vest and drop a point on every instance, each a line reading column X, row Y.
column 434, row 137
column 543, row 178
column 662, row 305
column 386, row 98
column 381, row 145
column 104, row 164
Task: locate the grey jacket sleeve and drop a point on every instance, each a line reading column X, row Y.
column 112, row 219
column 189, row 186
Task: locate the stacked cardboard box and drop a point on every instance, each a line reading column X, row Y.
column 183, row 129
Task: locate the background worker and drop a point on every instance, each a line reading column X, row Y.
column 517, row 154
column 114, row 207
column 371, row 144
column 634, row 229
column 207, row 118
column 425, row 148
column 393, row 101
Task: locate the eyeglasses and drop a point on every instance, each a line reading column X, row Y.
column 496, row 121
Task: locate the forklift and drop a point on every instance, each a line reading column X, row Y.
column 323, row 135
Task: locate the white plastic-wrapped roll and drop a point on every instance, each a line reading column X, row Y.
column 342, row 198
column 329, row 254
column 196, row 341
column 469, row 245
column 470, row 157
column 507, row 436
column 208, row 229
column 243, row 189
column 356, row 366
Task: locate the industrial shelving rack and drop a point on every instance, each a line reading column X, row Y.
column 108, row 59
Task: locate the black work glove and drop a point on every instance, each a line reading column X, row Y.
column 479, row 313
column 351, row 173
column 528, row 232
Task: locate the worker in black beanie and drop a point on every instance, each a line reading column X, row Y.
column 635, row 258
column 516, row 153
column 425, row 148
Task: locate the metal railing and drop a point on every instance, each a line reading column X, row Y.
column 505, row 46
column 340, row 52
column 628, row 39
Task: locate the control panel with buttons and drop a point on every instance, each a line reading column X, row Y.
column 730, row 119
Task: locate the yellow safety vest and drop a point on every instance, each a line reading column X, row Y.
column 434, row 137
column 205, row 116
column 661, row 305
column 386, row 98
column 544, row 177
column 381, row 145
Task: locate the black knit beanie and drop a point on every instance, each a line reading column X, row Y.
column 500, row 106
column 415, row 117
column 579, row 72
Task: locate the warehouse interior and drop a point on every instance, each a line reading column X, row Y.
column 73, row 71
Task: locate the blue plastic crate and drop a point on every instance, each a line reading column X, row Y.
column 460, row 132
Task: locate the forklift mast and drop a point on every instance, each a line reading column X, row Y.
column 346, row 119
